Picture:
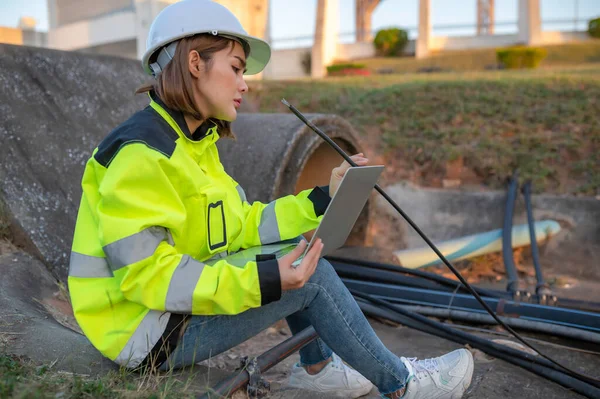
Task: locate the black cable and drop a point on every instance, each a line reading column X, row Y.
column 541, row 288
column 543, row 327
column 421, row 296
column 512, row 285
column 478, row 342
column 393, row 270
column 381, row 276
column 510, row 355
column 424, row 237
column 452, row 284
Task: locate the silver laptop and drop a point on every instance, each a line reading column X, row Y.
column 342, row 212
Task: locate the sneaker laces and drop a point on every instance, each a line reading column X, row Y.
column 338, row 364
column 426, row 366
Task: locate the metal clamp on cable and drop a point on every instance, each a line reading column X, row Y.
column 521, row 294
column 545, row 296
column 257, row 387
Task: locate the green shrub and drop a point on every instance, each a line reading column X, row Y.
column 348, row 69
column 594, row 28
column 521, row 57
column 340, row 67
column 391, row 42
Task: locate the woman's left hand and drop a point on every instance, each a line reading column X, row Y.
column 340, row 171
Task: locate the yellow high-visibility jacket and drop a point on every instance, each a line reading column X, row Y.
column 157, row 227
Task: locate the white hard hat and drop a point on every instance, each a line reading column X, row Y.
column 191, row 17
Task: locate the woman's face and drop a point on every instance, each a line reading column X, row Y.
column 218, row 91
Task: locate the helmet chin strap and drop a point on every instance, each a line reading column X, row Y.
column 166, row 54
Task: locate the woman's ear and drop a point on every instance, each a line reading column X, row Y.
column 195, row 63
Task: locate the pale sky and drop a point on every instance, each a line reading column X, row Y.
column 296, row 18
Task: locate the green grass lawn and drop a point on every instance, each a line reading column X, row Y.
column 544, row 122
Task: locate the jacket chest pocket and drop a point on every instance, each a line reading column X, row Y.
column 216, row 221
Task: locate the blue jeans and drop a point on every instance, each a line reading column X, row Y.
column 325, row 303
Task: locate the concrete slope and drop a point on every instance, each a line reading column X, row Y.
column 29, row 309
column 54, row 108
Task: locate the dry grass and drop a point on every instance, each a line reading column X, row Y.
column 543, row 122
column 20, row 378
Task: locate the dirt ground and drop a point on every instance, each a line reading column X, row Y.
column 492, row 378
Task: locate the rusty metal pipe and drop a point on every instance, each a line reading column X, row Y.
column 266, row 361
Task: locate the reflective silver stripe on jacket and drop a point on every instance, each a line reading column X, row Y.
column 268, row 231
column 241, row 193
column 183, row 282
column 239, row 259
column 136, row 247
column 86, row 266
column 146, row 335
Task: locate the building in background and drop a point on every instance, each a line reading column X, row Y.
column 120, row 27
column 326, row 46
column 24, row 34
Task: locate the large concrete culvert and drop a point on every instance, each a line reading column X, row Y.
column 51, row 118
column 277, row 154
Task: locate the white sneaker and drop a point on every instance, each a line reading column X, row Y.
column 444, row 377
column 335, row 378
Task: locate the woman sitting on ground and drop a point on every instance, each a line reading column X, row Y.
column 152, row 279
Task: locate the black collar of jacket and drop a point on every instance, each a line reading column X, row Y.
column 178, row 117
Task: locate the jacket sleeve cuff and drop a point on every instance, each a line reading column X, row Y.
column 320, row 199
column 269, row 280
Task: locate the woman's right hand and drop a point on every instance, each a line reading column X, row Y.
column 296, row 277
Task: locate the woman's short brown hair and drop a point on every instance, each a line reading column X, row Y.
column 174, row 84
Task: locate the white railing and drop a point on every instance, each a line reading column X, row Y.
column 460, row 29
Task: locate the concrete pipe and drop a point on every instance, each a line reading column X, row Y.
column 276, row 155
